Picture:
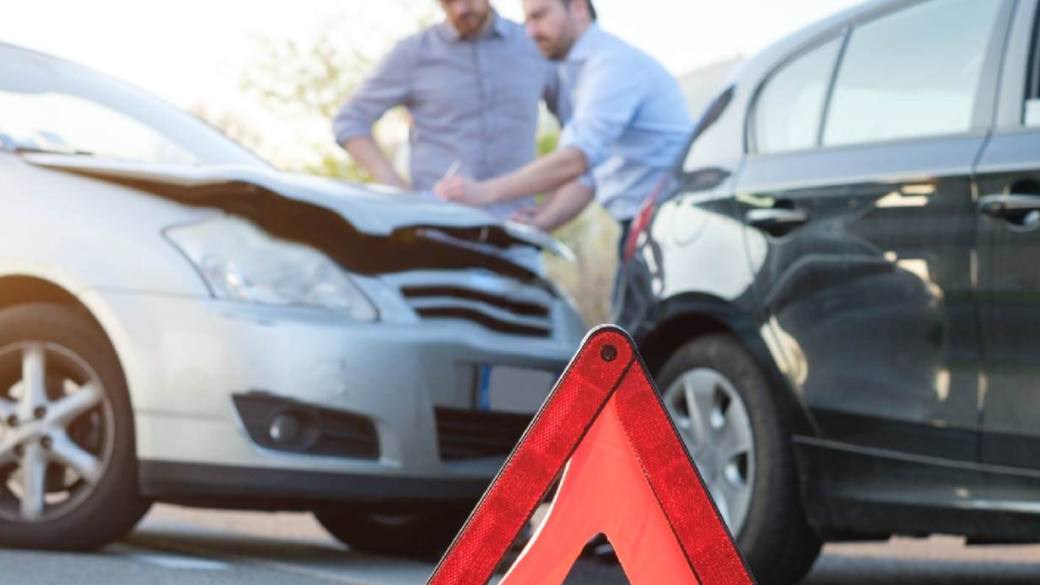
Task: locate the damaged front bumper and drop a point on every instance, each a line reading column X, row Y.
column 409, row 392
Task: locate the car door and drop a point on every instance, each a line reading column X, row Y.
column 858, row 202
column 1009, row 257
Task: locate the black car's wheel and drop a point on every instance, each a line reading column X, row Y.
column 727, row 415
column 414, row 533
column 68, row 477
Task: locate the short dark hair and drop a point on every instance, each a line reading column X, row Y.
column 592, row 9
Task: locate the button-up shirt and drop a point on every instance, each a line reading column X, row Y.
column 630, row 119
column 473, row 101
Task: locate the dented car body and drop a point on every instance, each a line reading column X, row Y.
column 287, row 342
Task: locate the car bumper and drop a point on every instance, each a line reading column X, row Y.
column 187, row 359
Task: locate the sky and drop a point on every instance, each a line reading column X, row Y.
column 188, row 50
column 195, row 52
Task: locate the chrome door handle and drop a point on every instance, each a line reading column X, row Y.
column 777, row 221
column 1003, row 206
column 1016, row 209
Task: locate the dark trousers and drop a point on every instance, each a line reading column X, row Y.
column 626, row 227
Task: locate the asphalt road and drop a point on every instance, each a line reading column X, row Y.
column 177, row 546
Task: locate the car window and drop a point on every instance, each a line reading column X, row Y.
column 713, row 112
column 50, row 105
column 64, row 123
column 911, row 74
column 790, row 107
column 1032, row 109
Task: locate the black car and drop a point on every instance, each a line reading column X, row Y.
column 841, row 301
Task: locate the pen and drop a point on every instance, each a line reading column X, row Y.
column 453, row 169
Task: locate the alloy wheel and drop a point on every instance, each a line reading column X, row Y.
column 713, row 421
column 56, row 431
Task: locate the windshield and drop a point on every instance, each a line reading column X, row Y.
column 50, row 105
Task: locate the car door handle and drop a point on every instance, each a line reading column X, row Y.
column 1014, row 208
column 777, row 221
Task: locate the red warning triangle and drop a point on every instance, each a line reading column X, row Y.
column 628, row 476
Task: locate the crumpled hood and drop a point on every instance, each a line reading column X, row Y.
column 372, row 210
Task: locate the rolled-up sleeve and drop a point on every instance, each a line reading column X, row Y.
column 389, row 86
column 606, row 103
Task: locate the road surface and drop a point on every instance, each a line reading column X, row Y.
column 175, row 546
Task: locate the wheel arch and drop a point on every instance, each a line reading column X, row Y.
column 23, row 289
column 680, row 319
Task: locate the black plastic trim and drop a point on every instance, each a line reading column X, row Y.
column 484, row 320
column 248, row 488
column 516, row 307
column 469, row 434
column 325, row 432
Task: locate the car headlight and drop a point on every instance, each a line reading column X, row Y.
column 241, row 262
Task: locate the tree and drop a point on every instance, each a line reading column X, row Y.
column 305, row 81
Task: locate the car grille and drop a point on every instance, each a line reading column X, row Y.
column 495, row 312
column 467, row 434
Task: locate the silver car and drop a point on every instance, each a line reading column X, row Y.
column 181, row 323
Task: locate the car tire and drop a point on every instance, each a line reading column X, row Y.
column 775, row 538
column 71, row 512
column 415, row 533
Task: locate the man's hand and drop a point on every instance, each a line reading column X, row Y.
column 558, row 208
column 366, row 153
column 545, row 174
column 463, row 190
column 529, row 215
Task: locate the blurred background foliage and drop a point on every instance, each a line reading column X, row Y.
column 305, row 81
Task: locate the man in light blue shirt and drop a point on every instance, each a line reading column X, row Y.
column 629, row 126
column 472, row 84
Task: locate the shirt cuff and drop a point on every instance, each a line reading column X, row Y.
column 346, row 127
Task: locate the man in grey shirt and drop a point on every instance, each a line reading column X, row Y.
column 472, row 85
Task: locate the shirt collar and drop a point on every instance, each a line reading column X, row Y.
column 586, row 44
column 497, row 29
